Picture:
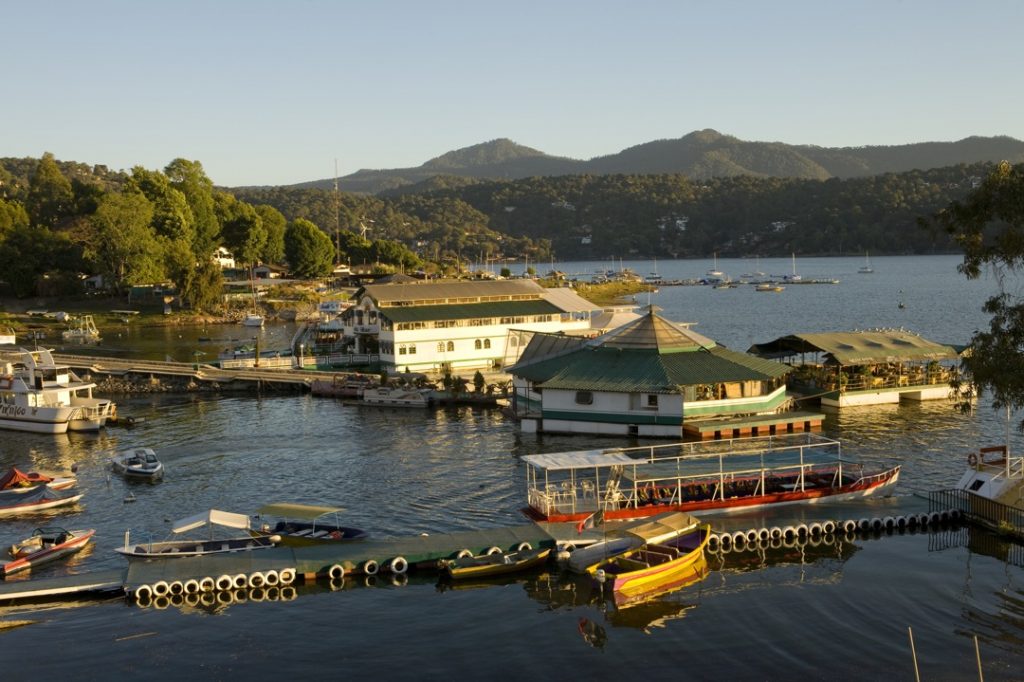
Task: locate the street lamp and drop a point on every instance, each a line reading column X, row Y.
column 302, row 351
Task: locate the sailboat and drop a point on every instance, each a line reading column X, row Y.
column 866, row 269
column 253, row 319
column 714, row 272
column 794, row 277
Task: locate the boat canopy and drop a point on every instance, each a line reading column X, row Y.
column 211, row 517
column 305, row 512
column 563, row 461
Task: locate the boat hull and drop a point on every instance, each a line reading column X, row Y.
column 496, row 564
column 180, row 549
column 34, row 504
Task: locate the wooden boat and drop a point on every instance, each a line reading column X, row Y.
column 670, row 581
column 654, row 564
column 45, row 545
column 304, row 524
column 138, row 464
column 628, row 536
column 740, row 473
column 18, row 502
column 212, row 520
column 498, row 563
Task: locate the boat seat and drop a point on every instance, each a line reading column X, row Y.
column 302, row 533
column 319, row 534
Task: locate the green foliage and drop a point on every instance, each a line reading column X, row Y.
column 50, row 198
column 202, row 287
column 242, row 228
column 125, row 248
column 190, row 179
column 172, row 216
column 12, row 215
column 27, row 254
column 479, row 382
column 274, row 223
column 309, row 251
column 989, row 225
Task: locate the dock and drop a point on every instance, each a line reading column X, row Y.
column 754, row 425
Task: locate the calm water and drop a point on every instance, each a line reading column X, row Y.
column 837, row 611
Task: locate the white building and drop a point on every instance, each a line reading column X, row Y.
column 427, row 326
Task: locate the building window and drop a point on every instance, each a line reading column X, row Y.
column 487, row 343
column 652, row 401
column 440, row 346
column 401, row 350
column 412, row 349
column 477, row 345
column 451, row 346
column 584, row 398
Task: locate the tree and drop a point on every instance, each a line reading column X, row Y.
column 989, row 225
column 190, row 178
column 27, row 253
column 172, row 216
column 479, row 382
column 241, row 228
column 275, row 224
column 309, row 251
column 50, row 197
column 12, row 215
column 125, row 248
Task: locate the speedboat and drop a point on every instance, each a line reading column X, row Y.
column 16, row 502
column 215, row 542
column 45, row 545
column 139, row 464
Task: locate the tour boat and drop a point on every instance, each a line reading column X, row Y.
column 725, row 475
column 40, row 396
column 45, row 545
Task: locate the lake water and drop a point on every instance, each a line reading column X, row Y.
column 836, row 611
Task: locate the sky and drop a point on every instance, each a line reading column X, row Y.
column 273, row 93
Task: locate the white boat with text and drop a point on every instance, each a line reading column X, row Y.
column 40, row 396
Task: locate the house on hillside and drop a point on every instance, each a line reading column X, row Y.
column 438, row 325
column 649, row 377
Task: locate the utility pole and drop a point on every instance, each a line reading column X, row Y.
column 337, row 217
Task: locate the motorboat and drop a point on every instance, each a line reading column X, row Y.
column 626, row 537
column 45, row 545
column 17, row 480
column 303, row 524
column 17, row 502
column 640, row 570
column 252, row 320
column 768, row 286
column 495, row 563
column 218, row 540
column 85, row 331
column 38, row 395
column 139, row 464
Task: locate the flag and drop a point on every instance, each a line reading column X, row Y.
column 593, row 520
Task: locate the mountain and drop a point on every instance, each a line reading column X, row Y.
column 700, row 155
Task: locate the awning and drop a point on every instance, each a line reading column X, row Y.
column 211, row 517
column 858, row 347
column 305, row 512
column 562, row 461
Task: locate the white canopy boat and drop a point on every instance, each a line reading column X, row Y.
column 212, row 520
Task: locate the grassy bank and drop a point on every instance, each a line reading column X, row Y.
column 611, row 293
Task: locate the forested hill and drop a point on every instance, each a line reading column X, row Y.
column 700, row 155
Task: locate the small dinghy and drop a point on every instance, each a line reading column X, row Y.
column 496, row 563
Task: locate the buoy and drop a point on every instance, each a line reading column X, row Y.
column 224, row 582
column 370, row 567
column 399, row 565
column 336, row 572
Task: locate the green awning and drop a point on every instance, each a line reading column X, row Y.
column 858, row 347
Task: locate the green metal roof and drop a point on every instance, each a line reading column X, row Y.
column 858, row 347
column 467, row 311
column 647, row 371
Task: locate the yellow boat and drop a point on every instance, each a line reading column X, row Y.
column 498, row 563
column 654, row 564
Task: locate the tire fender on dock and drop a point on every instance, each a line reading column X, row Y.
column 143, row 593
column 463, row 554
column 370, row 567
column 192, row 586
column 271, row 578
column 524, row 547
column 336, row 572
column 493, row 550
column 240, row 581
column 400, row 565
column 287, row 576
column 161, row 588
column 739, row 538
column 828, row 527
column 224, row 583
column 256, row 579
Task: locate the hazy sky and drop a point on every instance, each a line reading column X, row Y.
column 273, row 92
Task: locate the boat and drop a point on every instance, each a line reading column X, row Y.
column 40, row 396
column 654, row 564
column 714, row 272
column 628, row 536
column 179, row 548
column 866, row 269
column 138, row 464
column 85, row 331
column 18, row 502
column 15, row 479
column 793, row 277
column 45, row 545
column 304, row 524
column 496, row 563
column 768, row 286
column 697, row 477
column 7, row 337
column 253, row 319
column 394, row 397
